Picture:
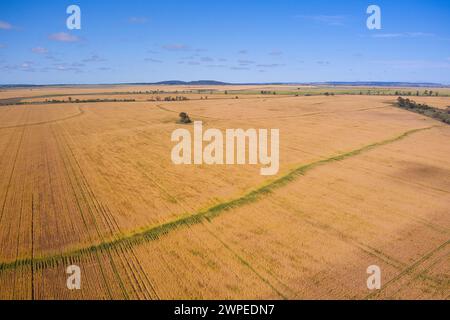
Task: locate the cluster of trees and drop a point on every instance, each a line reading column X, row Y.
column 268, row 92
column 169, row 98
column 147, row 92
column 378, row 93
column 150, row 92
column 430, row 93
column 70, row 100
column 177, row 98
column 205, row 91
column 435, row 113
column 417, row 94
column 407, row 103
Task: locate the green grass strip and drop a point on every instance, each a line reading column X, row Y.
column 155, row 232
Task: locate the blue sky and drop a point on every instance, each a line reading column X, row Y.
column 235, row 41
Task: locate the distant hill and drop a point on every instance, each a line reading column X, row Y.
column 331, row 83
column 220, row 83
column 192, row 83
column 380, row 84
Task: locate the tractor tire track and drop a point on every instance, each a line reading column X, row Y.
column 208, row 214
column 352, row 241
column 114, row 229
column 275, row 117
column 40, row 263
column 79, row 114
column 86, row 195
column 408, row 269
column 247, row 264
column 13, row 168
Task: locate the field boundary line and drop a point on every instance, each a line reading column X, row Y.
column 348, row 239
column 248, row 265
column 159, row 106
column 80, row 113
column 13, row 168
column 408, row 269
column 84, row 193
column 59, row 257
column 156, row 232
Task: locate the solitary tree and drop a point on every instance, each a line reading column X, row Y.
column 184, row 118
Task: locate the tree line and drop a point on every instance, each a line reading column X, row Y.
column 426, row 110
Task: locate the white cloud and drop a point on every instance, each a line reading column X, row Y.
column 207, row 59
column 5, row 25
column 94, row 58
column 75, row 67
column 138, row 20
column 153, row 60
column 39, row 50
column 175, row 47
column 27, row 66
column 271, row 65
column 332, row 20
column 403, row 35
column 387, row 35
column 245, row 62
column 420, row 34
column 216, row 66
column 413, row 64
column 63, row 37
column 276, row 53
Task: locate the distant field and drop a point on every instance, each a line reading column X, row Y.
column 140, row 92
column 361, row 183
column 437, row 102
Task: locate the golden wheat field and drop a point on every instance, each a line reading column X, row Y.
column 361, row 183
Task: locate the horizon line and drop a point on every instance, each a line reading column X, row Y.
column 216, row 82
